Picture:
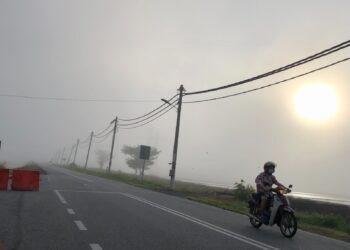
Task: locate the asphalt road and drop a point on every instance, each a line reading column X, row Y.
column 77, row 211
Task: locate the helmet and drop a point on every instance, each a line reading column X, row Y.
column 269, row 164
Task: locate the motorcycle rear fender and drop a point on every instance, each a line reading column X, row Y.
column 288, row 209
column 251, row 204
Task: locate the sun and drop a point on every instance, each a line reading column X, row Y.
column 316, row 102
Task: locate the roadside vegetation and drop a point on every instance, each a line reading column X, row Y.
column 2, row 164
column 323, row 218
column 32, row 166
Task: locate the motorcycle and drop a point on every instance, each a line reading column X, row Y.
column 278, row 212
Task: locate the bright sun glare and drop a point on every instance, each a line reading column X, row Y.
column 316, row 102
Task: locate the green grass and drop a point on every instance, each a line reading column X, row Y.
column 327, row 224
column 150, row 182
column 230, row 205
column 31, row 165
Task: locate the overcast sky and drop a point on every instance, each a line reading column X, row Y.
column 143, row 50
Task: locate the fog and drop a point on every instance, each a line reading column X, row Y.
column 143, row 50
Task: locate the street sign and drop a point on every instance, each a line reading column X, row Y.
column 145, row 152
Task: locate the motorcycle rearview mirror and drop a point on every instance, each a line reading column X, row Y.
column 290, row 186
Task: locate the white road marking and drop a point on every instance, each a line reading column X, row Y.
column 72, row 175
column 95, row 246
column 88, row 191
column 205, row 224
column 60, row 197
column 70, row 211
column 80, row 225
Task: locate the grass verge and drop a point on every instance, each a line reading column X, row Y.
column 33, row 166
column 325, row 223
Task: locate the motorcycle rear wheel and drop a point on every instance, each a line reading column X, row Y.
column 255, row 223
column 288, row 225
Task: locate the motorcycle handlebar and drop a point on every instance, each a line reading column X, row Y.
column 284, row 190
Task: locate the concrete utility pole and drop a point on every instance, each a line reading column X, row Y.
column 87, row 156
column 70, row 155
column 176, row 142
column 76, row 150
column 112, row 147
column 55, row 158
column 62, row 156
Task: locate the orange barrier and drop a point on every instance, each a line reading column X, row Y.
column 25, row 180
column 4, row 178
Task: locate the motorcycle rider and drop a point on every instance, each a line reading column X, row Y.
column 264, row 182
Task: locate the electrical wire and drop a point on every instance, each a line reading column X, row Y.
column 137, row 118
column 85, row 141
column 104, row 138
column 103, row 131
column 157, row 117
column 147, row 118
column 272, row 84
column 278, row 70
column 64, row 99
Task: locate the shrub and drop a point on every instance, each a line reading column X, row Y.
column 3, row 164
column 242, row 191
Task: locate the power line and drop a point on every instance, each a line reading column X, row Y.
column 141, row 125
column 272, row 84
column 137, row 118
column 100, row 133
column 281, row 69
column 85, row 141
column 104, row 138
column 64, row 99
column 147, row 118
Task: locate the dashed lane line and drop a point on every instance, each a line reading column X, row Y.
column 73, row 175
column 60, row 197
column 187, row 217
column 80, row 225
column 70, row 211
column 205, row 224
column 95, row 246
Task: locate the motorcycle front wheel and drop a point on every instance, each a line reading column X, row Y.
column 288, row 225
column 255, row 223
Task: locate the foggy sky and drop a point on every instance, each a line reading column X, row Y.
column 143, row 50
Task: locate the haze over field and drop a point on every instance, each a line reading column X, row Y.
column 143, row 50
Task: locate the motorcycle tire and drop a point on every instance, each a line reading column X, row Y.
column 255, row 223
column 288, row 224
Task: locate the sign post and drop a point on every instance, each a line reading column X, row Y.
column 145, row 152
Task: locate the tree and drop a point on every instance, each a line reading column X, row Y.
column 133, row 161
column 102, row 157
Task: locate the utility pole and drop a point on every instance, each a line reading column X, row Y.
column 70, row 155
column 87, row 156
column 143, row 169
column 176, row 141
column 62, row 155
column 55, row 157
column 76, row 150
column 112, row 147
